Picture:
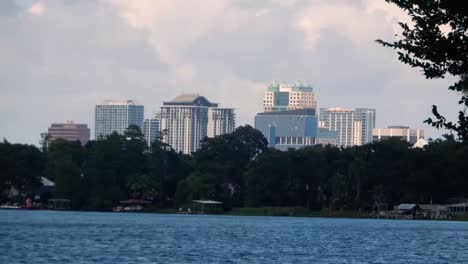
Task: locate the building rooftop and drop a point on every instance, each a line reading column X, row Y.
column 309, row 112
column 124, row 102
column 303, row 86
column 190, row 99
column 336, row 109
column 407, row 207
column 207, row 202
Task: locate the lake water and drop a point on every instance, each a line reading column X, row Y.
column 79, row 237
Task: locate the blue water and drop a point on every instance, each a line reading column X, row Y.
column 78, row 237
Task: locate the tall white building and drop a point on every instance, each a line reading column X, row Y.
column 150, row 129
column 343, row 122
column 281, row 97
column 184, row 122
column 221, row 121
column 366, row 116
column 117, row 116
column 352, row 127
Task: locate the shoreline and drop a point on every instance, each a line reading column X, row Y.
column 263, row 211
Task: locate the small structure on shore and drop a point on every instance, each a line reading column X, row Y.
column 409, row 209
column 207, row 206
column 434, row 211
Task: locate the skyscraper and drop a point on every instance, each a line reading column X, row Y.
column 343, row 122
column 352, row 127
column 117, row 116
column 150, row 129
column 221, row 121
column 184, row 122
column 366, row 116
column 281, row 97
column 69, row 131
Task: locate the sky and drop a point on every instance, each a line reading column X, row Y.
column 59, row 58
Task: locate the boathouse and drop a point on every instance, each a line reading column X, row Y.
column 207, row 207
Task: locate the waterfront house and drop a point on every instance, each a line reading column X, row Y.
column 458, row 209
column 409, row 209
column 434, row 211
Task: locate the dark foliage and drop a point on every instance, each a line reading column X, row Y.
column 437, row 42
column 239, row 170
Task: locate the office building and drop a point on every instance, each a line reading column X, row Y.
column 69, row 131
column 184, row 122
column 150, row 129
column 288, row 129
column 221, row 121
column 402, row 132
column 117, row 116
column 282, row 97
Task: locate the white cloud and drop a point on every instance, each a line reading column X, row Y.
column 82, row 52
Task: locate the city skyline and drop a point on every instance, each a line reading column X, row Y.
column 133, row 56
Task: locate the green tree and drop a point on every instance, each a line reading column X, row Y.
column 437, row 42
column 64, row 167
column 21, row 167
column 221, row 163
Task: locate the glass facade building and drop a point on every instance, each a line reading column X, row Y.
column 288, row 129
column 117, row 116
column 150, row 129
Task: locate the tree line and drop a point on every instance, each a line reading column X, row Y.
column 239, row 170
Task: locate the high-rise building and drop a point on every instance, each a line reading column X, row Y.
column 69, row 131
column 402, row 132
column 281, row 97
column 150, row 129
column 184, row 122
column 117, row 116
column 352, row 127
column 288, row 129
column 221, row 121
column 366, row 116
column 343, row 122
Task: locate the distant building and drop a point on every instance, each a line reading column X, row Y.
column 221, row 121
column 343, row 122
column 288, row 129
column 150, row 129
column 184, row 122
column 326, row 137
column 366, row 117
column 69, row 131
column 117, row 116
column 402, row 132
column 352, row 127
column 282, row 97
